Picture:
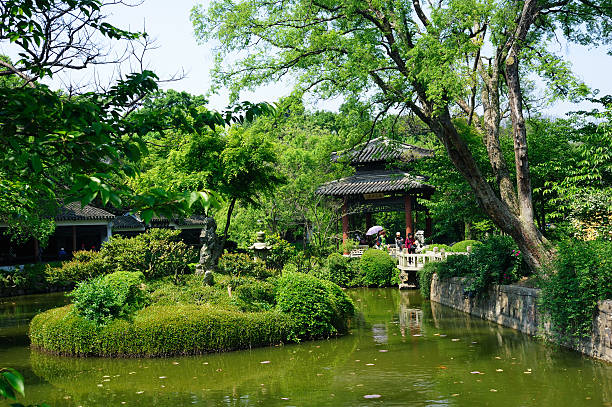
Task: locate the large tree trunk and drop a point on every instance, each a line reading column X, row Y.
column 491, row 119
column 526, row 235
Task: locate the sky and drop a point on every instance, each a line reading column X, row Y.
column 168, row 23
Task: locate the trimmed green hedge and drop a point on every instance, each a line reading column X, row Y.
column 377, row 268
column 318, row 307
column 158, row 331
column 462, row 246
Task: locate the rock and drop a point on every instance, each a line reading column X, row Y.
column 209, row 253
column 209, row 278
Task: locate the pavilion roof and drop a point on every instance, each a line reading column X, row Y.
column 381, row 149
column 74, row 211
column 368, row 182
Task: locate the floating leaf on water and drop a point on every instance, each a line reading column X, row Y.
column 264, row 362
column 383, row 350
column 369, row 364
column 475, row 372
column 372, row 396
column 100, row 385
column 417, row 335
column 105, row 376
column 455, row 394
column 357, row 360
column 527, row 372
column 493, row 390
column 175, row 363
column 162, row 377
column 442, row 367
column 497, row 357
column 499, row 370
column 284, row 398
column 140, row 392
column 455, row 339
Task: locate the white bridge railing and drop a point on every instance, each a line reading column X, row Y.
column 416, row 261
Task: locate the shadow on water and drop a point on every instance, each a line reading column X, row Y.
column 407, row 351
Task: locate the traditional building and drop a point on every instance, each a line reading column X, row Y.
column 379, row 185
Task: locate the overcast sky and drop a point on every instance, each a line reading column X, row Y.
column 168, row 22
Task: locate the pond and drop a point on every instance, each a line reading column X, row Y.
column 401, row 351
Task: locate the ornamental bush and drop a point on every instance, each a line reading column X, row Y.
column 158, row 331
column 116, row 295
column 256, row 296
column 582, row 276
column 156, row 253
column 377, row 268
column 239, row 265
column 492, row 262
column 280, row 253
column 462, row 246
column 338, row 269
column 317, row 307
column 85, row 265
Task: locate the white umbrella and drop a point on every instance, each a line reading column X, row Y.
column 374, row 230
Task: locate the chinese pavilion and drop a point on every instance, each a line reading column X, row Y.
column 379, row 185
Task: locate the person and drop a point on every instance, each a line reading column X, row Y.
column 61, row 254
column 383, row 239
column 399, row 241
column 410, row 243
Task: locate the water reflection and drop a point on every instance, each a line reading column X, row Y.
column 407, row 351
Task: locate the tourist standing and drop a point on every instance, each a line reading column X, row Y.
column 410, row 243
column 399, row 241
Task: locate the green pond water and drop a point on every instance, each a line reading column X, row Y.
column 401, row 351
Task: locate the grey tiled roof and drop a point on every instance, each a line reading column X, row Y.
column 368, row 182
column 73, row 211
column 127, row 222
column 382, row 149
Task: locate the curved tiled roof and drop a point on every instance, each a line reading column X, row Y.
column 127, row 221
column 73, row 211
column 368, row 182
column 381, row 149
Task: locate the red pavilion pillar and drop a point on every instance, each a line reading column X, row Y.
column 345, row 223
column 408, row 211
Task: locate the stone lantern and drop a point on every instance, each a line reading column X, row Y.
column 260, row 248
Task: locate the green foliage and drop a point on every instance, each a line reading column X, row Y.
column 256, row 296
column 425, row 276
column 377, row 268
column 30, row 279
column 239, row 265
column 339, row 270
column 582, row 276
column 159, row 331
column 84, row 265
column 280, row 253
column 492, row 262
column 349, row 245
column 116, row 295
column 11, row 384
column 461, row 247
column 192, row 290
column 317, row 307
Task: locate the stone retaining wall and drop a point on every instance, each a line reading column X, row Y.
column 516, row 307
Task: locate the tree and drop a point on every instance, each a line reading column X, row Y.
column 60, row 146
column 439, row 61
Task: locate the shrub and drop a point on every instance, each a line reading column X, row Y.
column 377, row 268
column 242, row 265
column 156, row 253
column 85, row 265
column 425, row 276
column 30, row 278
column 349, row 245
column 337, row 270
column 116, row 295
column 492, row 262
column 318, row 308
column 462, row 246
column 583, row 276
column 192, row 291
column 280, row 253
column 256, row 296
column 158, row 331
